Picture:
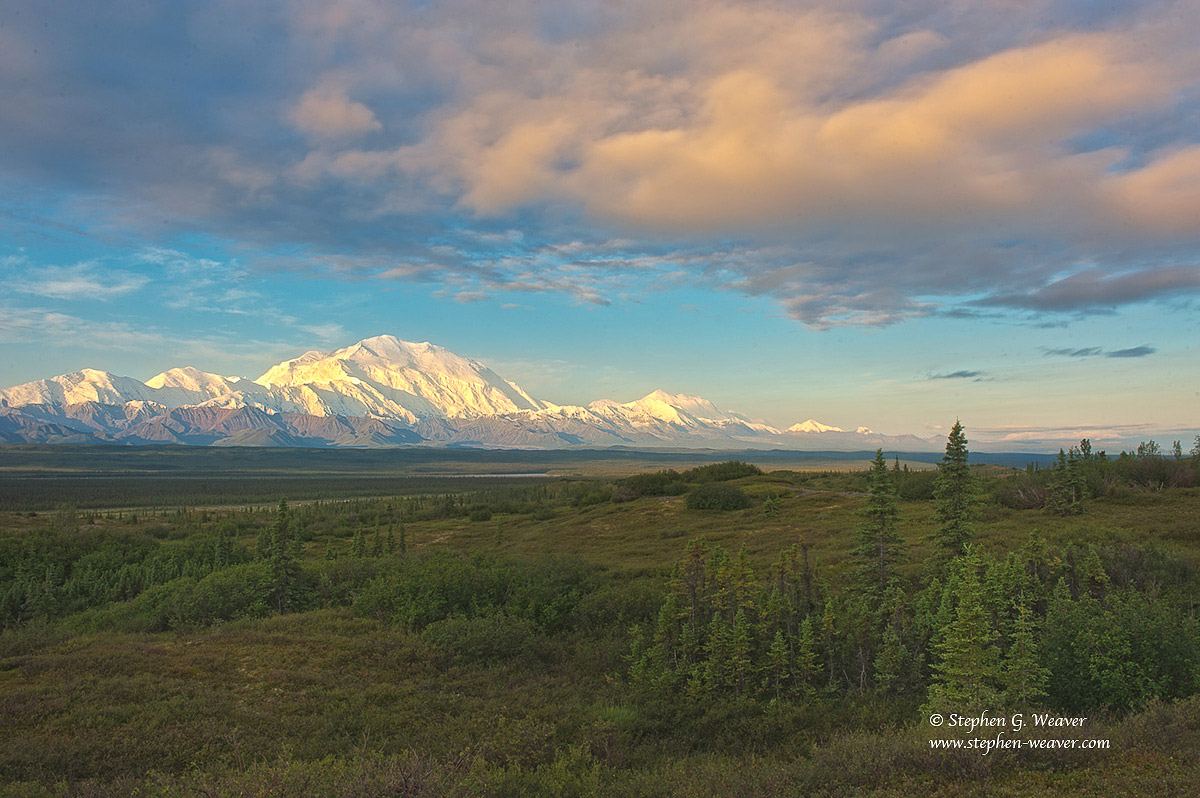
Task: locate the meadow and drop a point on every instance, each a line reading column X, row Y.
column 660, row 627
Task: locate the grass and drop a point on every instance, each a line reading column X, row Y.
column 330, row 702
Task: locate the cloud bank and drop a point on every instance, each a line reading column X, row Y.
column 857, row 164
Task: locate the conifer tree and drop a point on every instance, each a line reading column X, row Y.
column 879, row 544
column 969, row 668
column 777, row 659
column 285, row 573
column 720, row 651
column 741, row 653
column 890, row 662
column 1024, row 677
column 955, row 493
column 1067, row 484
column 807, row 664
column 262, row 544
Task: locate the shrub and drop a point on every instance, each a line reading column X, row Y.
column 715, row 496
column 484, row 638
column 721, row 472
column 657, row 483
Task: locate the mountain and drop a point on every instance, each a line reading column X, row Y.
column 381, row 391
column 390, row 378
column 813, row 426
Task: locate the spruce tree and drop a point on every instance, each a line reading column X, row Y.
column 1066, row 484
column 969, row 668
column 955, row 493
column 879, row 544
column 777, row 660
column 285, row 573
column 891, row 661
column 807, row 664
column 1024, row 677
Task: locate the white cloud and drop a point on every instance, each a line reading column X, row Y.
column 82, row 281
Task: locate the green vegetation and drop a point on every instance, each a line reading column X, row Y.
column 609, row 636
column 714, row 496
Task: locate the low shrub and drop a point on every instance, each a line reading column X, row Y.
column 716, row 496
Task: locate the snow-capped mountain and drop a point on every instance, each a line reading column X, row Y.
column 381, row 391
column 389, row 378
column 813, row 426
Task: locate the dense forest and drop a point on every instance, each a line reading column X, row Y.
column 713, row 630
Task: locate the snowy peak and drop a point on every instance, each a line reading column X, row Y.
column 386, row 377
column 86, row 385
column 380, row 391
column 193, row 379
column 814, row 426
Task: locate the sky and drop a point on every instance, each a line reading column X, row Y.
column 869, row 213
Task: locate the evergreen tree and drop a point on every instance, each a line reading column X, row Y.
column 390, row 543
column 285, row 572
column 879, row 544
column 1024, row 677
column 358, row 548
column 890, row 662
column 1066, row 484
column 969, row 668
column 741, row 654
column 807, row 664
column 777, row 659
column 262, row 544
column 955, row 492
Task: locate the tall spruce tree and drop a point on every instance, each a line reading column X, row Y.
column 955, row 492
column 879, row 544
column 285, row 572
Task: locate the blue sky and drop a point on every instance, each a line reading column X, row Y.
column 872, row 214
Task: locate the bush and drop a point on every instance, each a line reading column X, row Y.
column 657, row 483
column 591, row 497
column 715, row 496
column 483, row 639
column 915, row 485
column 721, row 472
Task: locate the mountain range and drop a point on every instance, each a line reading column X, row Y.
column 383, row 391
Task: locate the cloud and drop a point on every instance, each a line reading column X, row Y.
column 1096, row 289
column 958, row 375
column 1095, row 351
column 1136, row 351
column 1089, row 351
column 857, row 165
column 52, row 328
column 1064, row 436
column 326, row 112
column 81, row 281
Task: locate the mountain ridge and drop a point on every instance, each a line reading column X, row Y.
column 380, row 391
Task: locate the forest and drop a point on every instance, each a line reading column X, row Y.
column 712, row 629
